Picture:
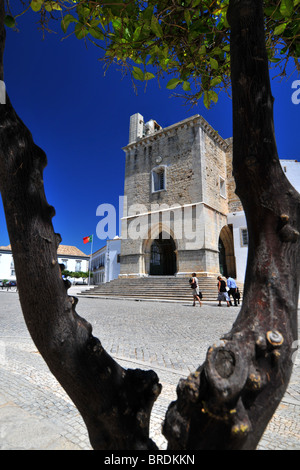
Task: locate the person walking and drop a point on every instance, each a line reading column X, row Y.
column 222, row 292
column 231, row 284
column 197, row 295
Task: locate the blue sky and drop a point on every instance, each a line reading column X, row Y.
column 81, row 120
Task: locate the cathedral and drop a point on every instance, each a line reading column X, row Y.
column 181, row 214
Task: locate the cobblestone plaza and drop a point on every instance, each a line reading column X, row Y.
column 168, row 337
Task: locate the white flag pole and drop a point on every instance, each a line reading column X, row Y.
column 91, row 260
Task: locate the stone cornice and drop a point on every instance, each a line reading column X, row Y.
column 191, row 121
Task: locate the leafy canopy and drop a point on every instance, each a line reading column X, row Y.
column 186, row 39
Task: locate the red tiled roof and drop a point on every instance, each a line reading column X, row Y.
column 64, row 250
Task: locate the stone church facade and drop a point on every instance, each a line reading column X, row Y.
column 178, row 193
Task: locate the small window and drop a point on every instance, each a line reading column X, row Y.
column 244, row 237
column 159, row 179
column 222, row 187
column 78, row 265
column 65, row 262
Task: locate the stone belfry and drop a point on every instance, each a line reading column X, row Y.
column 136, row 127
column 177, row 195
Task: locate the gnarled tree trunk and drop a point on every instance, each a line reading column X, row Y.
column 115, row 403
column 229, row 401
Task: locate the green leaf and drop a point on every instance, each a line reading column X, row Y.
column 65, row 22
column 226, row 24
column 138, row 73
column 81, row 31
column 156, row 28
column 147, row 13
column 173, row 83
column 215, row 81
column 94, row 23
column 206, row 100
column 202, row 50
column 51, row 6
column 83, row 11
column 9, row 21
column 286, row 7
column 117, row 23
column 279, row 29
column 137, row 33
column 187, row 17
column 209, row 96
column 186, row 86
column 96, row 33
column 149, row 76
column 213, row 96
column 214, row 63
column 36, row 5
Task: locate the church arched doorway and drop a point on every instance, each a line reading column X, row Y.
column 222, row 258
column 226, row 252
column 163, row 257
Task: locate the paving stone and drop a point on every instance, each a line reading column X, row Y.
column 169, row 338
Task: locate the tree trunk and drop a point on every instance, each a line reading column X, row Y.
column 115, row 403
column 228, row 402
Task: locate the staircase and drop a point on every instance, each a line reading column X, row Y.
column 167, row 288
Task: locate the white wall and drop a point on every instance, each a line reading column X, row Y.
column 105, row 261
column 6, row 271
column 70, row 263
column 238, row 221
column 291, row 169
column 112, row 267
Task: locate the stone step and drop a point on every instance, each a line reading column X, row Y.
column 156, row 287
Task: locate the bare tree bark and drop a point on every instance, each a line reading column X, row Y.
column 228, row 402
column 115, row 403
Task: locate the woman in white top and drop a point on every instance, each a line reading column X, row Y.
column 195, row 288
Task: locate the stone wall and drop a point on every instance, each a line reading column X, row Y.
column 234, row 203
column 195, row 160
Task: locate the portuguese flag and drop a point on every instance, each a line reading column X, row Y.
column 88, row 239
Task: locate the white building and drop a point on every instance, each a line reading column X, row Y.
column 105, row 263
column 238, row 220
column 73, row 259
